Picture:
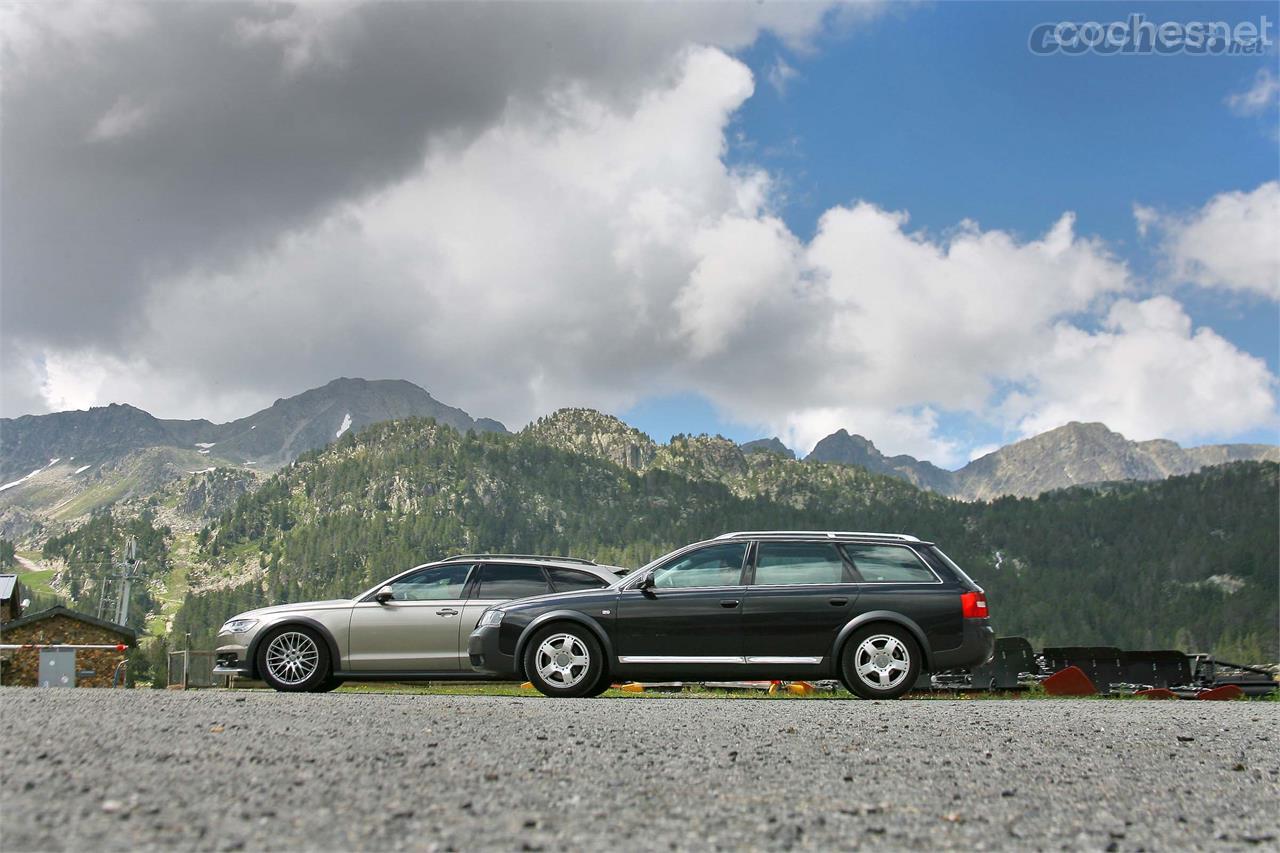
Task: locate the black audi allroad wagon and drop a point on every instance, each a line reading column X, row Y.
column 872, row 609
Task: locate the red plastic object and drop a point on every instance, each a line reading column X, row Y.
column 1226, row 691
column 1157, row 693
column 973, row 605
column 1069, row 682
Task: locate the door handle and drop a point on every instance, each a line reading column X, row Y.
column 448, row 611
column 729, row 602
column 838, row 602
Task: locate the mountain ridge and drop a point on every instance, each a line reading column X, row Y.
column 268, row 438
column 1073, row 454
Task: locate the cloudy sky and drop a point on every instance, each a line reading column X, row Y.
column 753, row 219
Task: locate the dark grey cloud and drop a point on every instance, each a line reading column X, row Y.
column 205, row 129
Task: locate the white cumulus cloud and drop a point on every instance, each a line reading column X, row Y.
column 1233, row 242
column 1148, row 374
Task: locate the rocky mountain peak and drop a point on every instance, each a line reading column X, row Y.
column 703, row 457
column 772, row 446
column 845, row 449
column 596, row 434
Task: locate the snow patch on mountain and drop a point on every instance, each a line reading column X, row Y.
column 21, row 480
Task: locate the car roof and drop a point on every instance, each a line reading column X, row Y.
column 818, row 534
column 576, row 563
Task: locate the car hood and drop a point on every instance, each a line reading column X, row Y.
column 297, row 607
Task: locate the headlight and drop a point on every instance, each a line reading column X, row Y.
column 238, row 626
column 490, row 617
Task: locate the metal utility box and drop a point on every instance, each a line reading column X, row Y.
column 57, row 668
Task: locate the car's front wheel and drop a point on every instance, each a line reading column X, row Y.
column 294, row 659
column 880, row 662
column 565, row 661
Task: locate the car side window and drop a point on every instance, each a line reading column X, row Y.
column 567, row 580
column 779, row 563
column 888, row 564
column 500, row 581
column 715, row 565
column 435, row 584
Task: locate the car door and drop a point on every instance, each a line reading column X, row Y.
column 799, row 595
column 691, row 615
column 896, row 579
column 493, row 584
column 418, row 630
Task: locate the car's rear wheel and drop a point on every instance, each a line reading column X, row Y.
column 880, row 661
column 564, row 661
column 294, row 659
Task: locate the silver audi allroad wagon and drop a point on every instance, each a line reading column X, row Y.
column 413, row 626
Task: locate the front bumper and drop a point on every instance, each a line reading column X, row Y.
column 976, row 648
column 486, row 657
column 232, row 659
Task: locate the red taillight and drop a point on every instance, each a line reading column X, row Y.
column 973, row 605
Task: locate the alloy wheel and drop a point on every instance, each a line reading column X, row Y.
column 562, row 660
column 292, row 657
column 882, row 661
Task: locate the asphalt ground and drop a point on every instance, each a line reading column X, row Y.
column 221, row 770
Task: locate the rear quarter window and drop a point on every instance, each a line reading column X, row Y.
column 888, row 564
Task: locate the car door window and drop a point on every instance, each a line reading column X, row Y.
column 501, row 582
column 716, row 565
column 888, row 564
column 567, row 580
column 779, row 563
column 439, row 583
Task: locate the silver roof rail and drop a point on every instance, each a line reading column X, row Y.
column 817, row 534
column 542, row 557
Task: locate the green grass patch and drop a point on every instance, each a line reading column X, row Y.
column 38, row 581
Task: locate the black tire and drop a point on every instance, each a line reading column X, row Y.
column 300, row 652
column 329, row 685
column 570, row 657
column 603, row 684
column 880, row 661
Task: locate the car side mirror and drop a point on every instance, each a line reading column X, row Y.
column 646, row 583
column 384, row 595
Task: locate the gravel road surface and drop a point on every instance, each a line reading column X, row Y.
column 218, row 770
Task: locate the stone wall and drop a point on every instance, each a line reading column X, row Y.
column 21, row 667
